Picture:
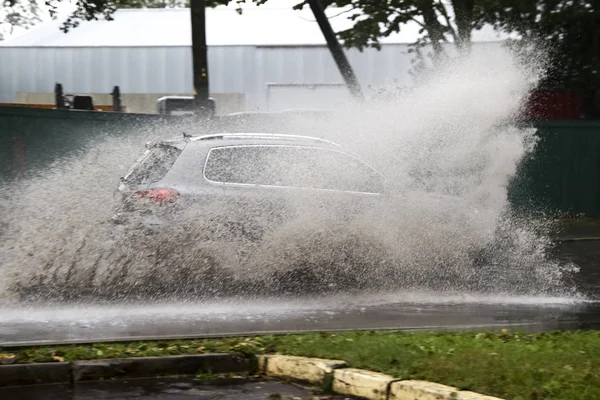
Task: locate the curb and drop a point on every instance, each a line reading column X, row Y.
column 146, row 367
column 134, row 367
column 34, row 374
column 331, row 376
column 334, row 376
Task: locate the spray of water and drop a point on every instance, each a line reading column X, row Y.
column 448, row 146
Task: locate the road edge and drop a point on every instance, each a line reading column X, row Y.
column 330, row 376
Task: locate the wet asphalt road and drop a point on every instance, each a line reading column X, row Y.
column 373, row 311
column 160, row 388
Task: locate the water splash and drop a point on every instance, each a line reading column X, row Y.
column 448, row 146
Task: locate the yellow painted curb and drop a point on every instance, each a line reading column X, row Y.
column 313, row 370
column 361, row 383
column 331, row 375
column 423, row 390
column 409, row 390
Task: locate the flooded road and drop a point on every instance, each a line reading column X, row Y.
column 399, row 310
column 205, row 320
column 446, row 235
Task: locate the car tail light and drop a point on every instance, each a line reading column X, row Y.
column 160, row 196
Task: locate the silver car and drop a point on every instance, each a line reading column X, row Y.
column 245, row 186
column 259, row 175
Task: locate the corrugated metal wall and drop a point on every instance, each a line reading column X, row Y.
column 233, row 69
column 89, row 70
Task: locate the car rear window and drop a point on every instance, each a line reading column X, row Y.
column 153, row 165
column 291, row 166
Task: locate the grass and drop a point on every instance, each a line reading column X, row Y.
column 559, row 365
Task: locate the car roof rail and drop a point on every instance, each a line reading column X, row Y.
column 273, row 136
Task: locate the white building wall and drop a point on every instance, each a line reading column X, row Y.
column 232, row 69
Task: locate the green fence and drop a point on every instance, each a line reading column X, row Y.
column 31, row 139
column 562, row 174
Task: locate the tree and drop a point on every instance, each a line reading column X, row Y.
column 88, row 10
column 17, row 13
column 151, row 3
column 566, row 33
column 441, row 21
column 567, row 30
column 25, row 13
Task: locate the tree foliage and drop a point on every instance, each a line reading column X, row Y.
column 25, row 13
column 440, row 20
column 569, row 31
column 88, row 10
column 566, row 31
column 13, row 13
